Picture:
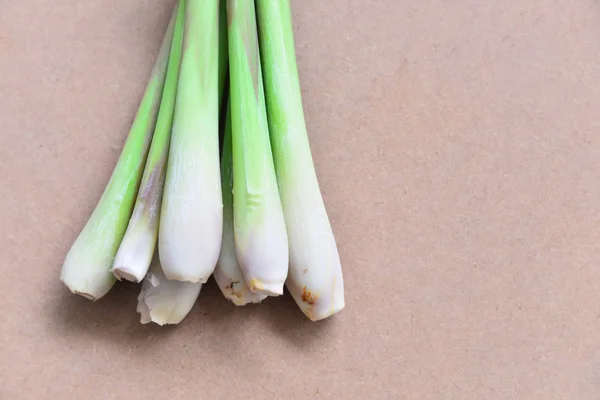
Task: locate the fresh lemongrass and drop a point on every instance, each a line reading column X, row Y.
column 223, row 51
column 138, row 245
column 191, row 220
column 315, row 278
column 86, row 269
column 228, row 274
column 259, row 226
column 157, row 300
column 163, row 301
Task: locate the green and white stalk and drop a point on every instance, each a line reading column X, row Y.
column 228, row 274
column 163, row 301
column 259, row 226
column 191, row 221
column 86, row 269
column 137, row 247
column 315, row 278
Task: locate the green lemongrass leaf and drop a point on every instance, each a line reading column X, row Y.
column 259, row 226
column 191, row 219
column 86, row 269
column 315, row 277
column 137, row 247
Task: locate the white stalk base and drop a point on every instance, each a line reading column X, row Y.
column 164, row 302
column 135, row 254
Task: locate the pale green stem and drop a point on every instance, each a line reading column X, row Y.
column 259, row 226
column 86, row 269
column 315, row 277
column 228, row 274
column 137, row 248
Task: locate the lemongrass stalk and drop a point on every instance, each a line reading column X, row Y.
column 137, row 247
column 315, row 278
column 259, row 226
column 163, row 301
column 156, row 301
column 223, row 51
column 228, row 274
column 86, row 269
column 191, row 220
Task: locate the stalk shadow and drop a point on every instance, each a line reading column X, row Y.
column 114, row 317
column 283, row 316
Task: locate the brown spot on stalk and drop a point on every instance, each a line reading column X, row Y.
column 153, row 190
column 308, row 297
column 232, row 291
column 230, row 286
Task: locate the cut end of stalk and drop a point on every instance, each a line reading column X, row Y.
column 124, row 273
column 241, row 297
column 85, row 295
column 321, row 303
column 235, row 289
column 86, row 291
column 266, row 288
column 326, row 312
column 245, row 300
column 165, row 302
column 91, row 283
column 135, row 252
column 263, row 254
column 190, row 254
column 185, row 277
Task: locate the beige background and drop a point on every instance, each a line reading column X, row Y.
column 458, row 148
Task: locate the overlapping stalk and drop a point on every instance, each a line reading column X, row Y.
column 228, row 274
column 191, row 214
column 315, row 277
column 163, row 301
column 259, row 226
column 139, row 243
column 86, row 269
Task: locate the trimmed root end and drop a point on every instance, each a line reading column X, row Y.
column 121, row 274
column 316, row 316
column 83, row 294
column 267, row 289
